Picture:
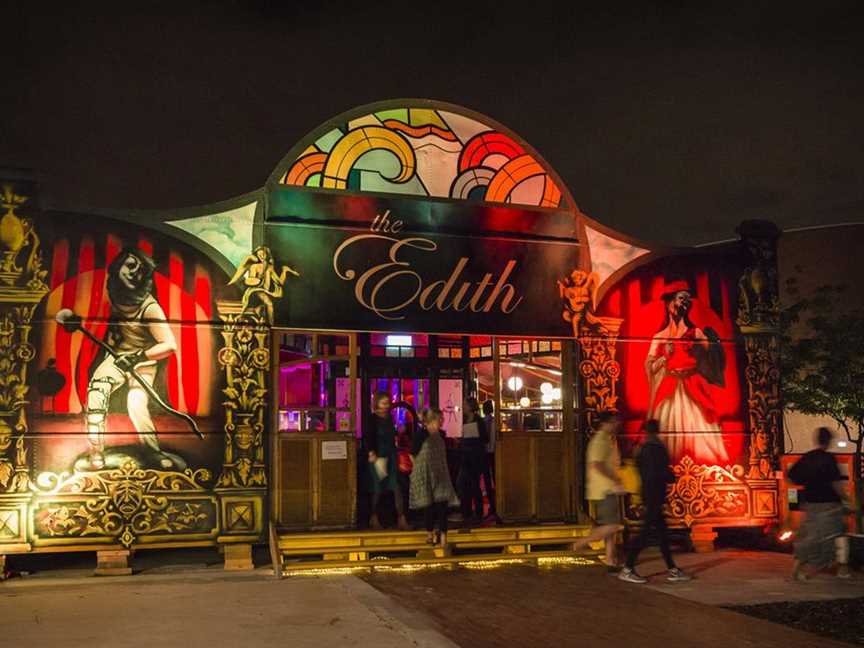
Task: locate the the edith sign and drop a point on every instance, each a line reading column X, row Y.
column 382, row 287
column 369, row 263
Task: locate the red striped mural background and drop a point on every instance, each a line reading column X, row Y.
column 638, row 300
column 183, row 287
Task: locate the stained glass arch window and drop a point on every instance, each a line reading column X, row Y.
column 421, row 148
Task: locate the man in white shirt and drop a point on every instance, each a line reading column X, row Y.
column 603, row 486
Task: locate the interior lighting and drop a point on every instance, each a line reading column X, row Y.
column 399, row 340
column 514, row 383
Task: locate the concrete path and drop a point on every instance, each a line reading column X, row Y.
column 207, row 608
column 516, row 606
column 193, row 604
column 745, row 578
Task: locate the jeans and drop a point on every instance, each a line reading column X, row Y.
column 654, row 519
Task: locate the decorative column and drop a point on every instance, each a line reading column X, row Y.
column 758, row 315
column 22, row 287
column 758, row 312
column 245, row 361
column 595, row 351
column 598, row 337
column 598, row 340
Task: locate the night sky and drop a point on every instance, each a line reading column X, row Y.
column 670, row 123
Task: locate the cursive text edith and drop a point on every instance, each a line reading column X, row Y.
column 391, row 287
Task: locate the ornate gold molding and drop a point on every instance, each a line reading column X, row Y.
column 245, row 358
column 758, row 313
column 758, row 292
column 123, row 504
column 701, row 492
column 598, row 340
column 597, row 337
column 763, row 404
column 22, row 287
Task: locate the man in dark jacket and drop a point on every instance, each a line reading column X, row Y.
column 653, row 463
column 823, row 529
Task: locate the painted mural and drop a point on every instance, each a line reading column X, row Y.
column 664, row 342
column 135, row 363
column 134, row 384
column 679, row 357
column 125, row 351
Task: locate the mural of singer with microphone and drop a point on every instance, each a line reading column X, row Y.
column 140, row 337
column 684, row 364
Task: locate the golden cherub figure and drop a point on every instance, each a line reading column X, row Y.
column 579, row 292
column 261, row 279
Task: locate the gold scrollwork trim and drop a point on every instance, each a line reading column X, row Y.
column 702, row 491
column 124, row 504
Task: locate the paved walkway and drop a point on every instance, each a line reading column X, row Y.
column 746, row 578
column 207, row 608
column 579, row 606
column 194, row 604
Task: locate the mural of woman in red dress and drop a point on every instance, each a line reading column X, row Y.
column 683, row 361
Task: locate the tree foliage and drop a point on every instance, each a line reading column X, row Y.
column 822, row 359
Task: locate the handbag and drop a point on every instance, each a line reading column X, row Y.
column 380, row 466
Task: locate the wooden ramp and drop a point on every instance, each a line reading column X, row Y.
column 479, row 548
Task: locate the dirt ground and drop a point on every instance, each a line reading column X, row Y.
column 839, row 619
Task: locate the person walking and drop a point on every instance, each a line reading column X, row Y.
column 489, row 467
column 431, row 489
column 603, row 486
column 379, row 443
column 653, row 462
column 823, row 502
column 473, row 450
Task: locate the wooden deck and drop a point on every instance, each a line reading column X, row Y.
column 357, row 551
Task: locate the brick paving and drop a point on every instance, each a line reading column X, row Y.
column 575, row 606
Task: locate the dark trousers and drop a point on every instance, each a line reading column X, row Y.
column 435, row 516
column 653, row 520
column 489, row 481
column 473, row 462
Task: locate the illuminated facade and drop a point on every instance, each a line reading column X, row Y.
column 184, row 378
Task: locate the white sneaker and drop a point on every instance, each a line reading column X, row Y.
column 629, row 576
column 677, row 576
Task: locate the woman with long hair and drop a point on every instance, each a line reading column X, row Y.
column 431, row 489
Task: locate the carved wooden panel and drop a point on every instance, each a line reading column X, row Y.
column 295, row 487
column 515, row 476
column 336, row 485
column 550, row 477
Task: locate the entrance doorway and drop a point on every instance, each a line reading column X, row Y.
column 326, row 385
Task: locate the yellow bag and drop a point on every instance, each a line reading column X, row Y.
column 628, row 473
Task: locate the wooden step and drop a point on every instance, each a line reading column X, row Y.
column 467, row 561
column 360, row 547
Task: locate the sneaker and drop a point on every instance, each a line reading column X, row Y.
column 630, row 576
column 677, row 576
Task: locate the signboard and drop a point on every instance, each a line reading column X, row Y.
column 334, row 450
column 370, row 263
